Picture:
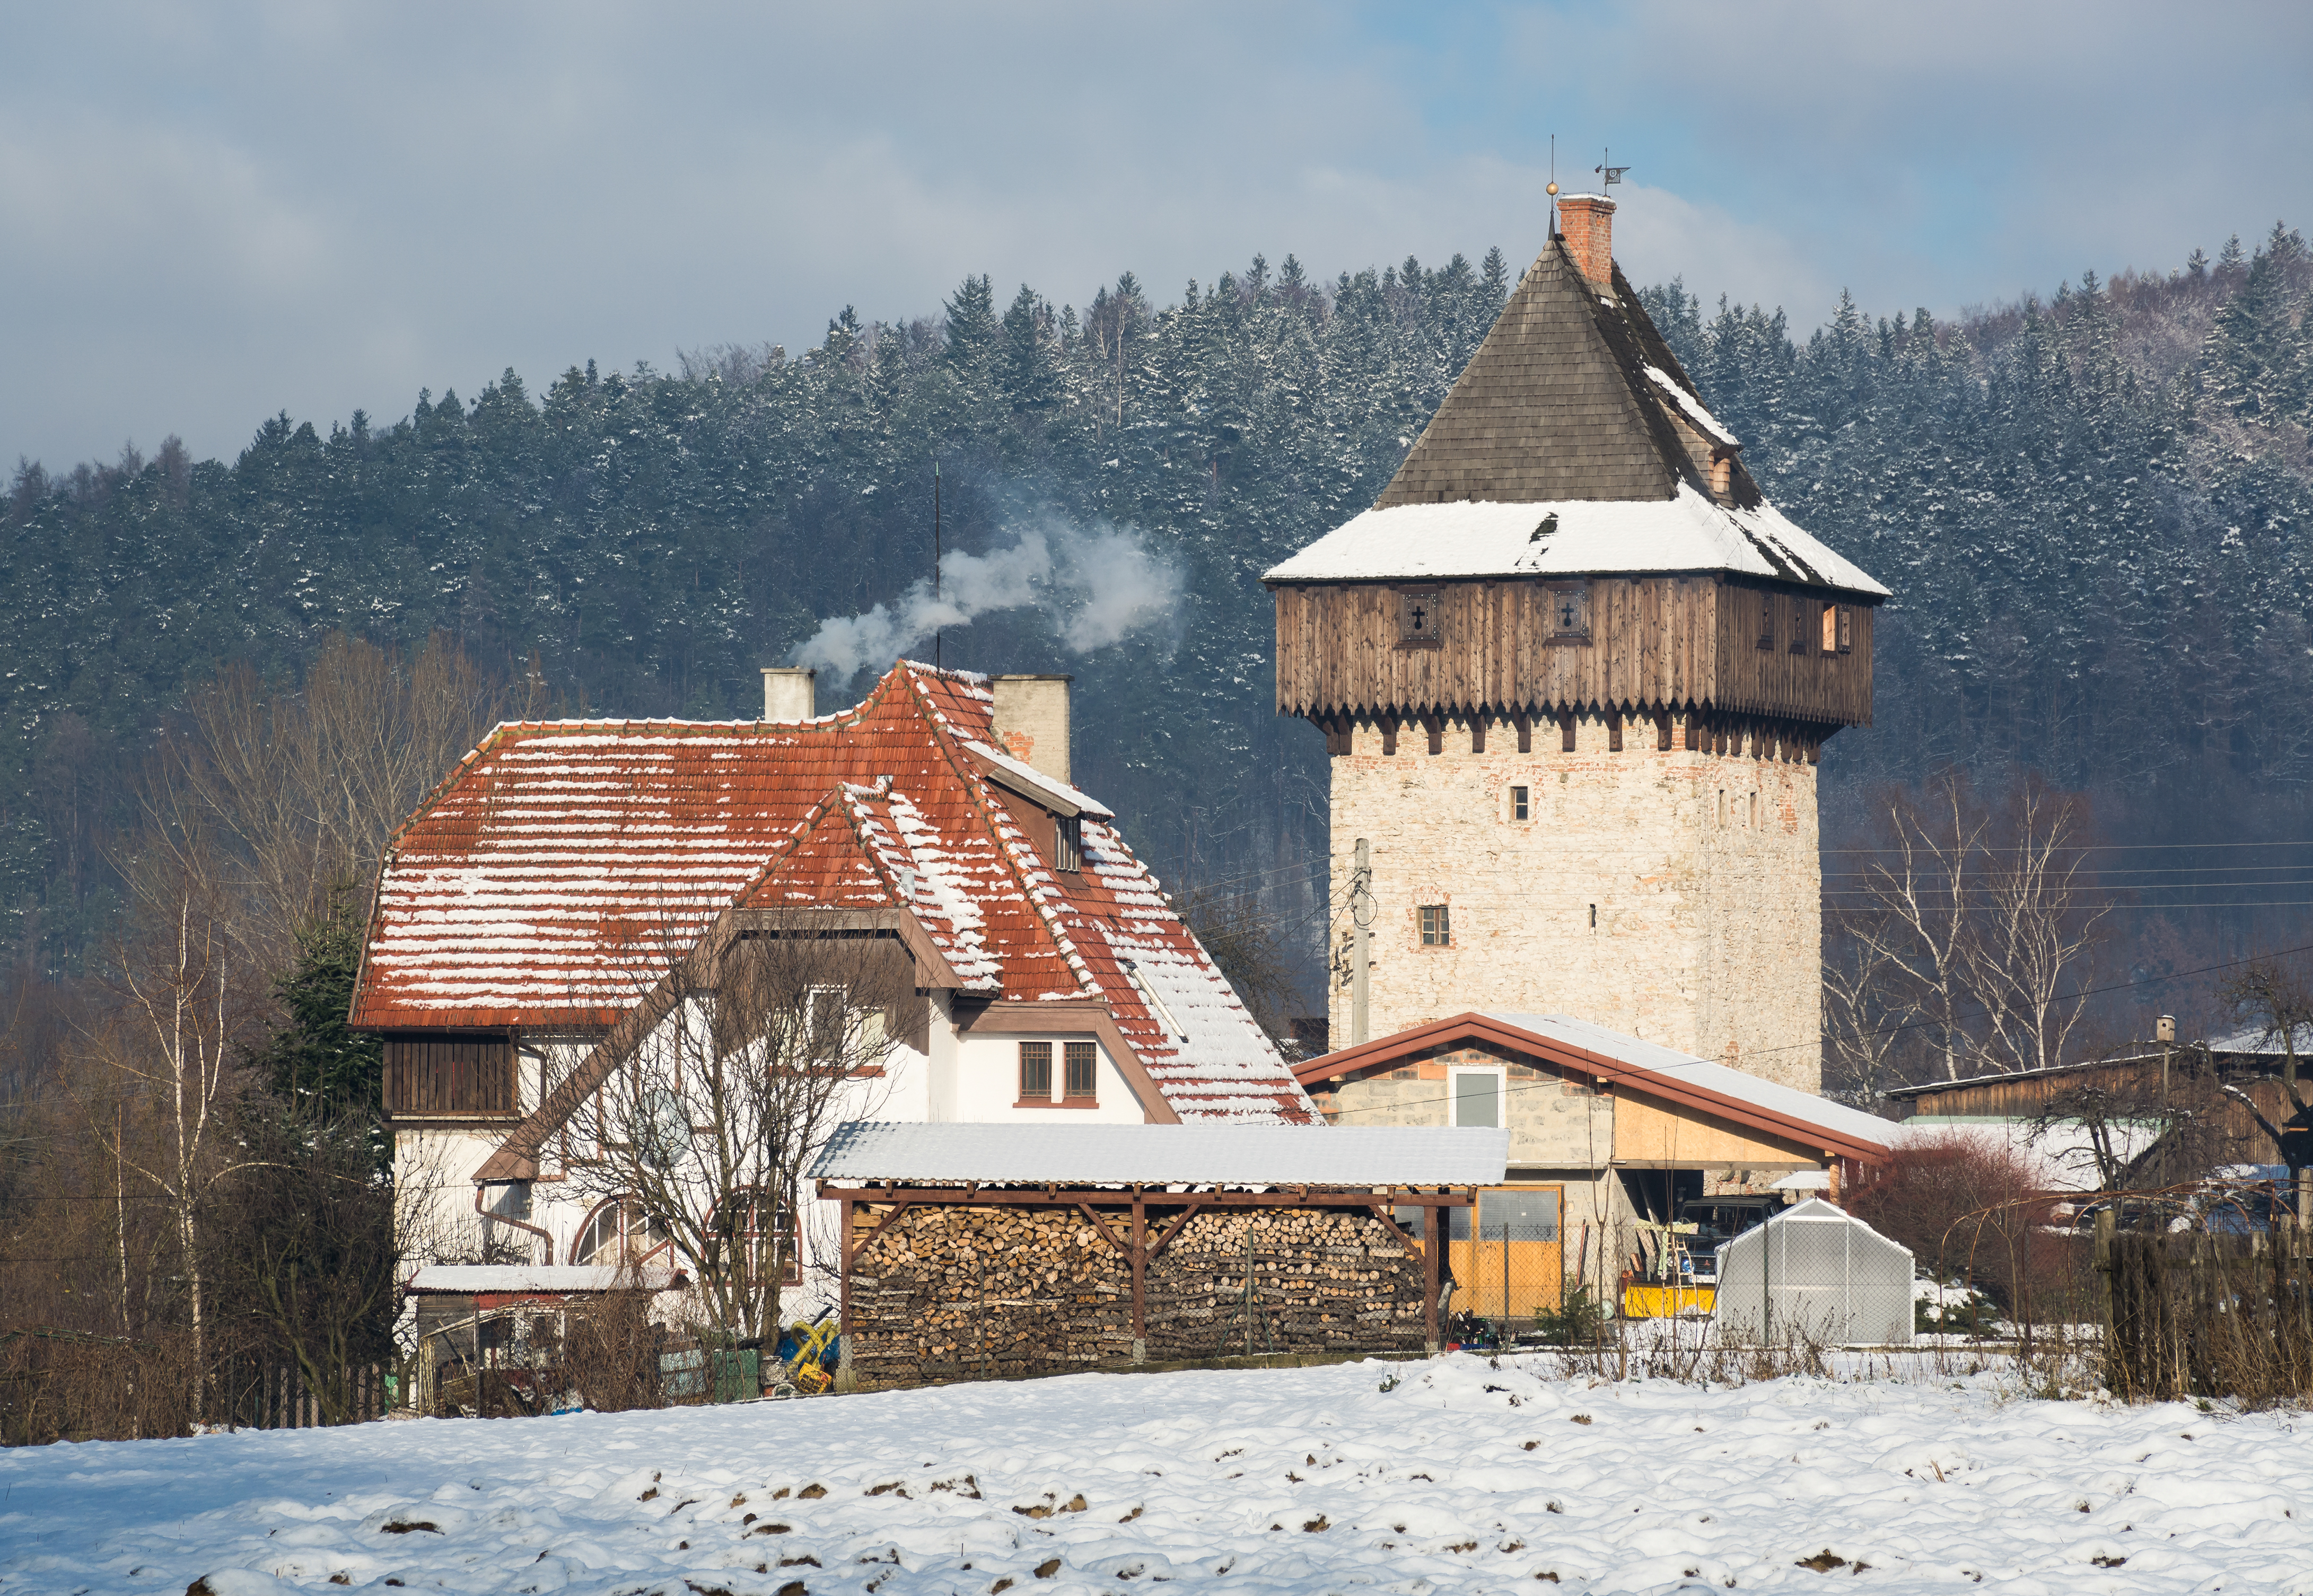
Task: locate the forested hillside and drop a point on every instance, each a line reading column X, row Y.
column 2092, row 508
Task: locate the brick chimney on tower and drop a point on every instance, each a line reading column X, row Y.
column 1586, row 222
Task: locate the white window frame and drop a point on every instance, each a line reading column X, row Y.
column 1498, row 1073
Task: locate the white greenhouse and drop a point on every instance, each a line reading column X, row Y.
column 1815, row 1272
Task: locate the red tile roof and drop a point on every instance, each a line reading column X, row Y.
column 557, row 873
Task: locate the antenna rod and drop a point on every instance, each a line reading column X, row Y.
column 936, row 561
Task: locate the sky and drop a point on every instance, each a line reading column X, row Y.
column 210, row 213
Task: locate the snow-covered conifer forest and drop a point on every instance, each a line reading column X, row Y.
column 2092, row 504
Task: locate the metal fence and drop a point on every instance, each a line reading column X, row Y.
column 1507, row 1256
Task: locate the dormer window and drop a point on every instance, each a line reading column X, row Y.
column 1067, row 842
column 1417, row 615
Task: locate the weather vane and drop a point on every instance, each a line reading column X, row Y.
column 1613, row 174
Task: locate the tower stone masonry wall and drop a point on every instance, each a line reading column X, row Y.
column 1704, row 872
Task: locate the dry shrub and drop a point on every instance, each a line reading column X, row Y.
column 61, row 1387
column 1964, row 1204
column 611, row 1354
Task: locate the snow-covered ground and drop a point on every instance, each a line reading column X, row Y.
column 1460, row 1476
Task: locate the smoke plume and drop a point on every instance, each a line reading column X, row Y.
column 1094, row 584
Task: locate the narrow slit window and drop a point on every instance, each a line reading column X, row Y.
column 1519, row 804
column 1067, row 842
column 1846, row 630
column 1831, row 628
column 1082, row 1058
column 1767, row 620
column 1437, row 930
column 1035, row 1072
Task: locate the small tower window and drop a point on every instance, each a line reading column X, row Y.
column 1831, row 628
column 1519, row 804
column 1846, row 630
column 1067, row 842
column 1417, row 615
column 1569, row 613
column 1767, row 620
column 1435, row 931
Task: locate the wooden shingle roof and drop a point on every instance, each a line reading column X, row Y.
column 1573, row 443
column 1556, row 404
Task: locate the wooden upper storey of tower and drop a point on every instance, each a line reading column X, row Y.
column 1637, row 645
column 1580, row 531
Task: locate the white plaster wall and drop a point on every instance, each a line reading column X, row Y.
column 987, row 1085
column 1707, row 932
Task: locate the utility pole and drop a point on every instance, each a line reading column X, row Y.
column 936, row 561
column 1361, row 905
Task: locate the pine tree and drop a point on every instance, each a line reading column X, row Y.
column 1031, row 380
column 316, row 1063
column 970, row 329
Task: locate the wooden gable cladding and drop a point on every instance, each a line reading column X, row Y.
column 1771, row 660
column 1653, row 642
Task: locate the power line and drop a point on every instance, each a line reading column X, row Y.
column 1884, row 1029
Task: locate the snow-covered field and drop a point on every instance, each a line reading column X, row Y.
column 1461, row 1477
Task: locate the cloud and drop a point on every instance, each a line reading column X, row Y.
column 214, row 213
column 1094, row 585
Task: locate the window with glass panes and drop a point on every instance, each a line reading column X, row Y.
column 1437, row 931
column 1082, row 1058
column 1036, row 1071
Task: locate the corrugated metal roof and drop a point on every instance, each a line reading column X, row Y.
column 1786, row 1100
column 543, row 1279
column 1164, row 1156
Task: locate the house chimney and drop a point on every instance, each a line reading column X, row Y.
column 1586, row 222
column 787, row 693
column 1031, row 720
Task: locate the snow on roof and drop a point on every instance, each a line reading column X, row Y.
column 1164, row 1156
column 558, row 874
column 1040, row 784
column 540, row 1279
column 1574, row 537
column 1693, row 408
column 2265, row 1040
column 1786, row 1100
column 2061, row 1158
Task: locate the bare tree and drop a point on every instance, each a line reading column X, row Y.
column 2274, row 995
column 1251, row 945
column 1862, row 1028
column 1911, row 918
column 1971, row 930
column 174, row 1044
column 705, row 1107
column 283, row 794
column 2034, row 922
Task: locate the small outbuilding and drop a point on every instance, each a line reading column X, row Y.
column 972, row 1250
column 1815, row 1272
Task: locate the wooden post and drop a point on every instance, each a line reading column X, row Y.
column 1139, row 1277
column 845, row 1254
column 1433, row 1218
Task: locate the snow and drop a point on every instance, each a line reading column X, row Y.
column 1268, row 1154
column 1687, row 533
column 1656, row 1059
column 1692, row 408
column 1462, row 1477
column 557, row 1279
column 1047, row 788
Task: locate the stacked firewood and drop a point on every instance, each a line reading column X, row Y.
column 971, row 1293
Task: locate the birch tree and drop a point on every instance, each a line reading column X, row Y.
column 748, row 1054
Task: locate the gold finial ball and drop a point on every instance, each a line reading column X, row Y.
column 1551, row 189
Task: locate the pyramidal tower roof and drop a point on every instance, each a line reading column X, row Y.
column 1573, row 443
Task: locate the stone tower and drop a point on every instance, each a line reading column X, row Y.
column 1575, row 674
